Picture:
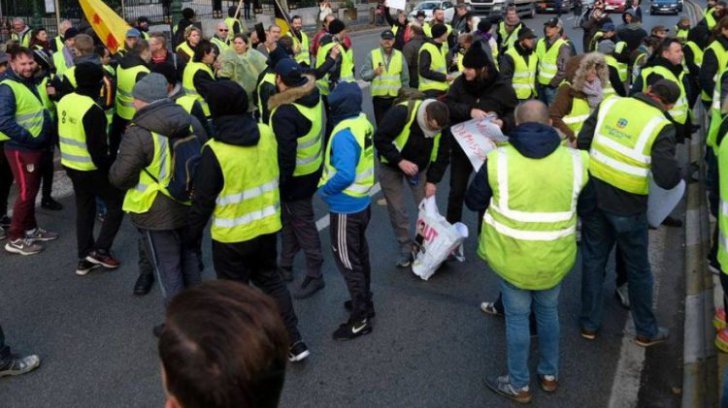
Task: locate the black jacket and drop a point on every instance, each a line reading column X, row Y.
column 94, row 124
column 401, row 28
column 664, row 168
column 425, row 62
column 507, row 65
column 616, row 82
column 491, row 95
column 289, row 125
column 711, row 67
column 632, row 34
column 236, row 130
column 418, row 148
column 175, row 62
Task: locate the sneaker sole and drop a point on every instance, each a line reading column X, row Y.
column 404, row 265
column 354, row 336
column 488, row 312
column 300, row 357
column 14, row 250
column 649, row 343
column 100, row 263
column 588, row 336
column 509, row 396
column 19, row 372
column 84, row 272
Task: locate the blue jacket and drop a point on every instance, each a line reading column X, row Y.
column 345, row 102
column 19, row 137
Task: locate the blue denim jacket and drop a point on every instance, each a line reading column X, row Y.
column 19, row 137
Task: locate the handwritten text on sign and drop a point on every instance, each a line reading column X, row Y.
column 477, row 138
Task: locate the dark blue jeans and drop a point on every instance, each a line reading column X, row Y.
column 600, row 232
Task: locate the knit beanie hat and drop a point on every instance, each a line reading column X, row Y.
column 336, row 26
column 152, row 88
column 89, row 75
column 475, row 58
column 606, row 47
column 225, row 98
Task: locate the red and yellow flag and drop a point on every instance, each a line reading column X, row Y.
column 283, row 20
column 108, row 25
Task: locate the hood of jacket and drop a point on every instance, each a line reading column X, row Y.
column 345, row 101
column 576, row 69
column 534, row 140
column 164, row 117
column 238, row 130
column 131, row 60
column 306, row 95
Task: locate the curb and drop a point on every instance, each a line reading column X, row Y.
column 700, row 370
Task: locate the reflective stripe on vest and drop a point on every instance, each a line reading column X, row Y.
column 363, row 132
column 626, row 129
column 139, row 199
column 528, row 235
column 524, row 74
column 437, row 64
column 126, row 79
column 388, row 83
column 679, row 111
column 547, row 59
column 579, row 113
column 249, row 203
column 71, row 132
column 185, row 48
column 189, row 85
column 716, row 113
column 29, row 107
column 621, row 68
column 722, row 158
column 721, row 54
column 309, row 148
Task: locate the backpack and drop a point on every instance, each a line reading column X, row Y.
column 186, row 154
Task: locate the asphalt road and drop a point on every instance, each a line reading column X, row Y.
column 431, row 346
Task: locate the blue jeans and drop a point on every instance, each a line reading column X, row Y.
column 724, row 398
column 600, row 231
column 546, row 94
column 518, row 304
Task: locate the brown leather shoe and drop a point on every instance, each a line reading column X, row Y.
column 548, row 383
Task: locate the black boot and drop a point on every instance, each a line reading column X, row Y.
column 143, row 284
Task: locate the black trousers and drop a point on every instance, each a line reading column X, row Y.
column 255, row 261
column 460, row 170
column 381, row 106
column 6, row 181
column 46, row 164
column 118, row 127
column 87, row 185
column 351, row 252
column 4, row 349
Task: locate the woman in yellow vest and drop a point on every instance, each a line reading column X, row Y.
column 199, row 70
column 186, row 50
column 578, row 96
column 243, row 65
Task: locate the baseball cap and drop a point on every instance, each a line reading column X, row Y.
column 554, row 22
column 525, row 33
column 290, row 72
column 387, row 35
column 133, row 32
column 608, row 26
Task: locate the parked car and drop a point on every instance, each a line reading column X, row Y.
column 665, row 7
column 615, row 6
column 526, row 8
column 428, row 6
column 549, row 6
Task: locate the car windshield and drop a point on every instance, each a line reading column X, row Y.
column 426, row 6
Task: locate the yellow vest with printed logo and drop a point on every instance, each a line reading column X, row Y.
column 388, row 83
column 529, row 232
column 126, row 79
column 248, row 205
column 139, row 199
column 679, row 111
column 438, row 63
column 524, row 74
column 29, row 108
column 71, row 132
column 547, row 58
column 188, row 83
column 309, row 148
column 363, row 132
column 622, row 145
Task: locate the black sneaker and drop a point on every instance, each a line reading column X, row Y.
column 370, row 312
column 352, row 329
column 286, row 273
column 143, row 284
column 19, row 365
column 158, row 329
column 308, row 287
column 84, row 267
column 5, row 222
column 51, row 204
column 298, row 352
column 104, row 258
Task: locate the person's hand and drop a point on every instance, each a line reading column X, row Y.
column 378, row 70
column 335, row 51
column 451, row 77
column 478, row 114
column 408, row 168
column 430, row 189
column 51, row 90
column 498, row 123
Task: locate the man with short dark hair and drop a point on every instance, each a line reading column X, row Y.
column 300, row 41
column 224, row 345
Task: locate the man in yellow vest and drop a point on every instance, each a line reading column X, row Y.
column 21, row 32
column 432, row 64
column 237, row 185
column 220, row 38
column 59, row 40
column 528, row 239
column 132, row 68
column 715, row 59
column 85, row 156
column 142, row 24
column 344, row 68
column 26, row 128
column 297, row 121
column 345, row 185
column 552, row 53
column 628, row 139
column 300, row 41
column 508, row 29
column 63, row 59
column 143, row 168
column 386, row 68
column 518, row 65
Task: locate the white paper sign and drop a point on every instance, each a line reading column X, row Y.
column 661, row 202
column 396, row 4
column 50, row 6
column 477, row 137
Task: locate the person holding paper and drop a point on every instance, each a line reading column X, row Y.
column 628, row 138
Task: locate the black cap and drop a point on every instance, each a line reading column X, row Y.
column 290, row 72
column 666, row 90
column 387, row 35
column 70, row 33
column 525, row 33
column 554, row 22
column 475, row 58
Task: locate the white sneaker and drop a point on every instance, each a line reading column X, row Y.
column 23, row 247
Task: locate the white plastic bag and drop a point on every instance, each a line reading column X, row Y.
column 436, row 240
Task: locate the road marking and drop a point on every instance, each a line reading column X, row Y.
column 325, row 221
